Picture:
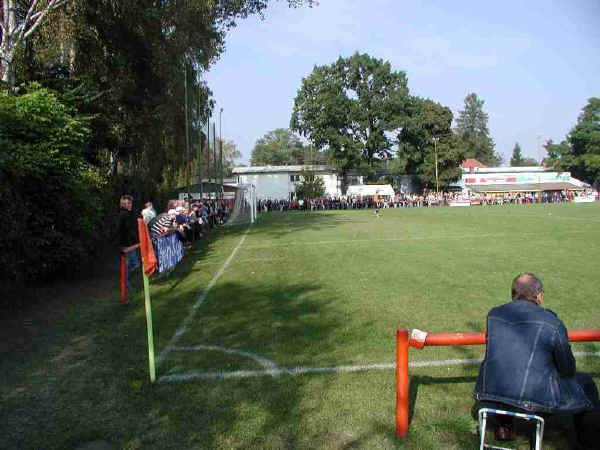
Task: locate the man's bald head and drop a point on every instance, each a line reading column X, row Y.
column 526, row 286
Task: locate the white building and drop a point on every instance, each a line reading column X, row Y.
column 279, row 182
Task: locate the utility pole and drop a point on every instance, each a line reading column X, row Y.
column 221, row 152
column 437, row 181
column 187, row 133
column 208, row 153
column 215, row 158
column 200, row 151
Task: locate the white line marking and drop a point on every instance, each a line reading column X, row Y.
column 267, row 364
column 183, row 327
column 219, row 375
column 406, row 239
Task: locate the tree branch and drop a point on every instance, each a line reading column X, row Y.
column 38, row 16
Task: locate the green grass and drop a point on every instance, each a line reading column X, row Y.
column 304, row 290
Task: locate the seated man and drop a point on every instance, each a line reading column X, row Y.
column 528, row 364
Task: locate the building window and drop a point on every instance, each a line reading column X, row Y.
column 294, row 178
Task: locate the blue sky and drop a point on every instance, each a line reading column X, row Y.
column 534, row 63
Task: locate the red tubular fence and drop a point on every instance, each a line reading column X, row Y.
column 444, row 339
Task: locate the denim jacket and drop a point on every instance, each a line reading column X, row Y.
column 528, row 361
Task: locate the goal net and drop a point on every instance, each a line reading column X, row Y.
column 244, row 208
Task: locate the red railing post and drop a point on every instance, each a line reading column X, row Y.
column 420, row 339
column 123, row 279
column 401, row 383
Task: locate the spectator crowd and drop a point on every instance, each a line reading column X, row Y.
column 425, row 199
column 188, row 220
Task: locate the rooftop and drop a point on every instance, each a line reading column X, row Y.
column 471, row 163
column 282, row 169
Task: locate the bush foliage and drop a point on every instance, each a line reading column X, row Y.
column 52, row 201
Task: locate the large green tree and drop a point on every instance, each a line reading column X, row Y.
column 582, row 155
column 426, row 141
column 278, row 147
column 123, row 64
column 472, row 128
column 353, row 108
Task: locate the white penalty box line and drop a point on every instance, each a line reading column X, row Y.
column 405, row 239
column 274, row 371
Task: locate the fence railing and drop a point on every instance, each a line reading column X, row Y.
column 419, row 339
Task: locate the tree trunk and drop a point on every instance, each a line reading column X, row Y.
column 7, row 49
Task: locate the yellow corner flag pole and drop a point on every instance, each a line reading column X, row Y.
column 146, row 251
column 149, row 326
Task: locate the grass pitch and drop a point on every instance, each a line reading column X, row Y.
column 304, row 292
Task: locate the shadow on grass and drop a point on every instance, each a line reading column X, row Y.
column 89, row 380
column 280, row 225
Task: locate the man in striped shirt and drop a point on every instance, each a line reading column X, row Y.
column 163, row 222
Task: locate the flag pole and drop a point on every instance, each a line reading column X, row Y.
column 152, row 365
column 146, row 251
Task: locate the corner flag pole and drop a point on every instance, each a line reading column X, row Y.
column 146, row 251
column 152, row 365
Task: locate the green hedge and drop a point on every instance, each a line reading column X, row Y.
column 51, row 202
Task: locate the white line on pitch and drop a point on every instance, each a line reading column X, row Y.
column 405, row 239
column 266, row 363
column 183, row 327
column 220, row 375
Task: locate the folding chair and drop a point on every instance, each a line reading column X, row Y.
column 483, row 416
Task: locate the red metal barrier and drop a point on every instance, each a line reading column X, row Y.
column 419, row 339
column 401, row 382
column 123, row 279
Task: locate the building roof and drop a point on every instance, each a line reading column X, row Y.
column 509, row 169
column 471, row 162
column 282, row 169
column 525, row 187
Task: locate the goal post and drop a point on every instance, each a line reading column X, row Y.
column 245, row 209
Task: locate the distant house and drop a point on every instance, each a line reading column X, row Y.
column 471, row 164
column 279, row 182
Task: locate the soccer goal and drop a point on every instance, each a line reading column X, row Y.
column 245, row 210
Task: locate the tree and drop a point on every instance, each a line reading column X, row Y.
column 311, row 185
column 529, row 162
column 580, row 153
column 230, row 154
column 554, row 151
column 472, row 128
column 425, row 137
column 278, row 147
column 18, row 21
column 125, row 68
column 353, row 108
column 516, row 159
column 41, row 160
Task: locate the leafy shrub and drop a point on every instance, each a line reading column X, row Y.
column 51, row 201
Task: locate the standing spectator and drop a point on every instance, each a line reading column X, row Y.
column 148, row 213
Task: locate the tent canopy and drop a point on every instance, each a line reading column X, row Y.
column 371, row 189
